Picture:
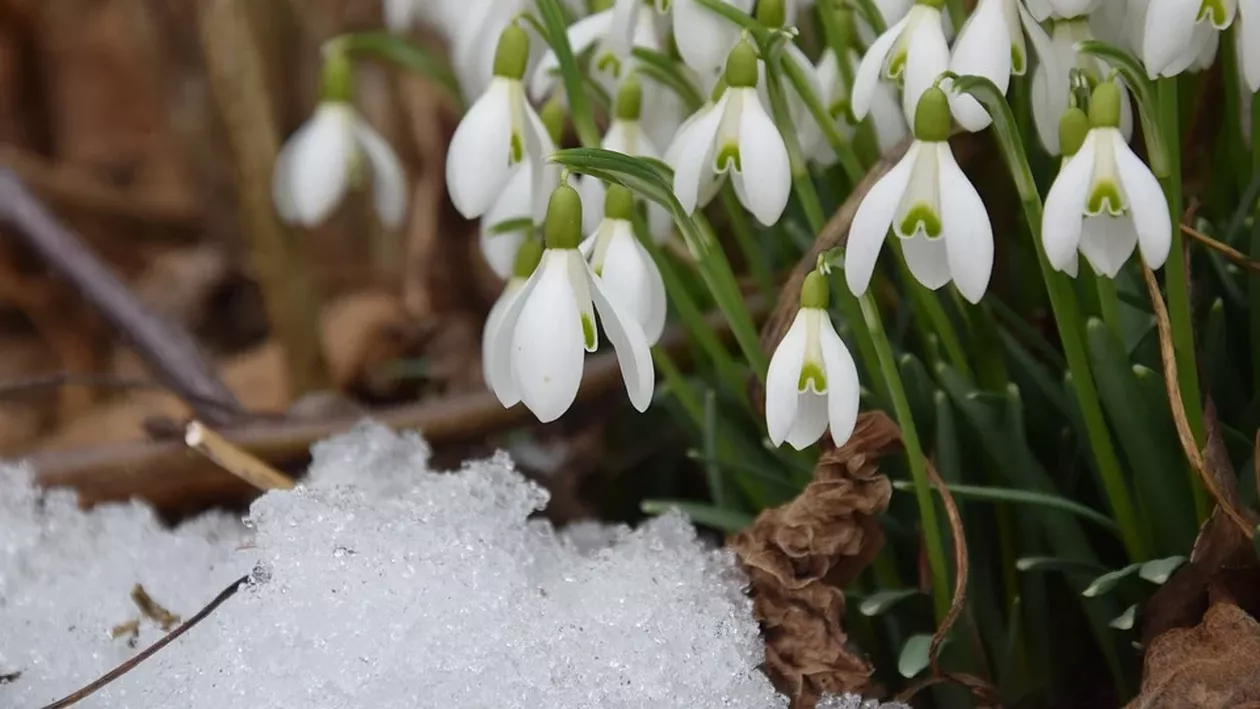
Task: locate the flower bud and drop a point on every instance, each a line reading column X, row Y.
column 1104, row 106
column 931, row 116
column 512, row 54
column 741, row 66
column 772, row 13
column 618, row 203
column 563, row 228
column 814, row 291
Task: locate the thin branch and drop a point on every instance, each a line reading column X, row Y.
column 234, row 460
column 1173, row 386
column 1237, row 257
column 168, row 349
column 129, row 665
column 962, row 567
column 57, row 380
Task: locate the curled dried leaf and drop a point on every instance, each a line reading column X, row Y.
column 800, row 555
column 1215, row 664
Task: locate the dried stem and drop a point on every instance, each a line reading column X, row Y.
column 173, row 354
column 127, row 666
column 1173, row 385
column 234, row 460
column 961, row 568
column 1239, row 258
column 279, row 261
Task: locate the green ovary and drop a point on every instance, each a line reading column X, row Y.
column 588, row 331
column 1105, row 196
column 812, row 376
column 727, row 156
column 920, row 216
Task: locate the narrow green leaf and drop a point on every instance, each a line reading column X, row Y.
column 870, row 12
column 717, row 483
column 508, row 226
column 880, row 602
column 553, row 17
column 1023, row 497
column 1054, row 563
column 914, row 656
column 667, row 72
column 1103, row 584
column 759, row 31
column 1157, row 571
column 994, row 101
column 1143, row 92
column 1124, row 621
column 729, row 521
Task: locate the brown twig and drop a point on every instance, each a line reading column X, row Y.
column 278, row 259
column 1229, row 252
column 57, row 380
column 1173, row 386
column 169, row 350
column 127, row 666
column 234, row 460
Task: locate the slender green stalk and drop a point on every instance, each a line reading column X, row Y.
column 757, row 262
column 914, row 452
column 1176, row 281
column 678, row 385
column 843, row 149
column 553, row 16
column 1109, row 305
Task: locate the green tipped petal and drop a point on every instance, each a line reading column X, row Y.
column 512, row 54
column 618, row 203
column 528, row 256
column 563, row 228
column 727, row 157
column 921, row 215
column 814, row 291
column 1105, row 197
column 931, row 116
column 629, row 99
column 588, row 332
column 1073, row 127
column 812, row 376
column 1213, row 11
column 1104, row 106
column 741, row 66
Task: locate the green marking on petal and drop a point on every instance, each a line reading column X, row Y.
column 608, row 63
column 921, row 216
column 896, row 64
column 1018, row 66
column 1213, row 11
column 588, row 331
column 729, row 154
column 812, row 377
column 1105, row 196
column 517, row 153
column 842, row 109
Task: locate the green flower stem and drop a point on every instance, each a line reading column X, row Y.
column 1180, row 314
column 553, row 17
column 407, row 55
column 757, row 262
column 914, row 452
column 1067, row 316
column 827, row 10
column 1109, row 305
column 844, row 150
column 678, row 386
column 720, row 279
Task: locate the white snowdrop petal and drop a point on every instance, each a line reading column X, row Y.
column 1065, row 205
column 547, row 342
column 872, row 66
column 782, row 377
column 1167, row 37
column 976, row 52
column 398, row 14
column 1107, row 242
column 888, row 118
column 282, row 182
column 967, row 232
column 1147, row 204
column 1248, row 42
column 389, row 180
column 499, row 367
column 477, row 162
column 319, row 165
column 593, row 192
column 544, row 173
column 872, row 221
column 843, row 388
column 703, row 37
column 927, row 57
column 630, row 344
column 499, row 250
column 766, row 173
column 502, row 348
column 624, row 275
column 927, row 259
column 810, row 421
column 695, row 156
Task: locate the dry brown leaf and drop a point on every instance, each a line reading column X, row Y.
column 799, row 556
column 1211, row 666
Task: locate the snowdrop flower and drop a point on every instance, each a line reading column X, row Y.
column 498, row 133
column 538, row 348
column 737, row 135
column 913, row 51
column 625, row 136
column 526, row 261
column 773, row 14
column 1044, row 9
column 1178, row 33
column 703, row 37
column 1105, row 200
column 626, row 269
column 612, row 32
column 978, row 51
column 887, row 120
column 812, row 381
column 932, row 207
column 1051, row 79
column 326, row 156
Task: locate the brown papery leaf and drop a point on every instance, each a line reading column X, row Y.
column 799, row 556
column 1213, row 665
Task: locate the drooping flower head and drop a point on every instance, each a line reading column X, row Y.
column 624, row 266
column 527, row 258
column 913, row 52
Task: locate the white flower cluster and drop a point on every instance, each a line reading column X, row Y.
column 1104, row 203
